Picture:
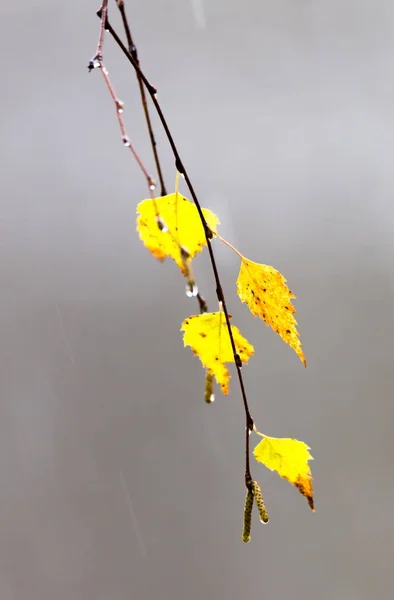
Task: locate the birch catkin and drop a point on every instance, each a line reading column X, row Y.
column 258, row 496
column 247, row 516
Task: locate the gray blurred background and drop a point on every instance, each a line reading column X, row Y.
column 117, row 481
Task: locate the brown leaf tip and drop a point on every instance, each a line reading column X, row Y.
column 305, row 488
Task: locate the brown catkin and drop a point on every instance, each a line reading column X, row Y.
column 247, row 516
column 258, row 496
column 209, row 395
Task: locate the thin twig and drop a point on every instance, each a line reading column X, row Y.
column 103, row 16
column 208, row 234
column 133, row 51
column 97, row 62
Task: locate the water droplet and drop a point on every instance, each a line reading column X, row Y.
column 161, row 225
column 191, row 289
column 105, row 71
column 126, row 141
column 184, row 252
column 265, row 520
column 119, row 106
column 152, row 186
column 212, row 398
column 95, row 63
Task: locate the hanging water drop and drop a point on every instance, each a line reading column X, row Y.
column 105, row 71
column 211, row 398
column 94, row 64
column 264, row 520
column 185, row 254
column 152, row 186
column 126, row 141
column 161, row 225
column 191, row 289
column 119, row 106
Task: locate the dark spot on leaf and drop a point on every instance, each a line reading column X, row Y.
column 203, row 335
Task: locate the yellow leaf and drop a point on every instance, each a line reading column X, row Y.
column 265, row 291
column 289, row 458
column 208, row 337
column 181, row 227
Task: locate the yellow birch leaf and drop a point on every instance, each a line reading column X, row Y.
column 289, row 458
column 181, row 227
column 265, row 292
column 209, row 339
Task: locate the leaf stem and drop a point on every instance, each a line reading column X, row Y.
column 229, row 245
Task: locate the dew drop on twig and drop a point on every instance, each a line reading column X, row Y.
column 94, row 64
column 191, row 289
column 126, row 141
column 184, row 253
column 161, row 225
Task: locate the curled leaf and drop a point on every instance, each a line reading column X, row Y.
column 171, row 226
column 265, row 292
column 246, row 535
column 289, row 458
column 208, row 337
